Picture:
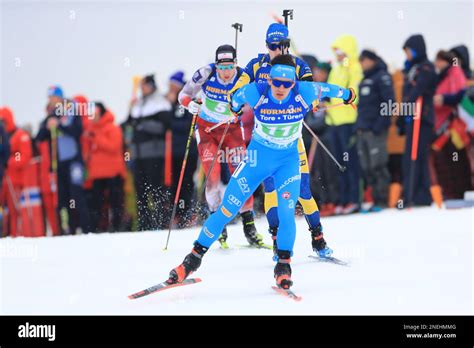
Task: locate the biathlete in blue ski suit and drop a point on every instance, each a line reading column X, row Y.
column 258, row 70
column 279, row 108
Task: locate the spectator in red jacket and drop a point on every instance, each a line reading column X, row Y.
column 21, row 152
column 106, row 167
column 452, row 175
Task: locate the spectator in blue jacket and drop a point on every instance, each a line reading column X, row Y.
column 180, row 126
column 63, row 128
column 420, row 81
column 4, row 150
column 375, row 94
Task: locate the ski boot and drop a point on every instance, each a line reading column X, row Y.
column 254, row 238
column 223, row 239
column 283, row 270
column 273, row 231
column 318, row 243
column 191, row 263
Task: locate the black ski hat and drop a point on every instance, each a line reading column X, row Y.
column 226, row 54
column 311, row 60
column 368, row 54
column 150, row 80
column 417, row 43
column 101, row 107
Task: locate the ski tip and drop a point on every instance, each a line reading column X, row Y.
column 132, row 297
column 287, row 293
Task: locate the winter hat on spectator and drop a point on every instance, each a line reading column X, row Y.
column 6, row 115
column 311, row 60
column 178, row 78
column 101, row 107
column 324, row 66
column 369, row 55
column 446, row 56
column 55, row 91
column 150, row 80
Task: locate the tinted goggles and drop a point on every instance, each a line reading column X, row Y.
column 273, row 46
column 285, row 84
column 225, row 67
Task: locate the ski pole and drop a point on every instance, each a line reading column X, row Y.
column 332, row 106
column 178, row 189
column 216, row 155
column 217, row 125
column 414, row 147
column 54, row 176
column 16, row 205
column 341, row 167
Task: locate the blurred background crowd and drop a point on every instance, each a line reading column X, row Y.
column 83, row 172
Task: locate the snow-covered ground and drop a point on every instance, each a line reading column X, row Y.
column 402, row 262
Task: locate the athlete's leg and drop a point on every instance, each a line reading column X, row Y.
column 271, row 203
column 242, row 184
column 234, row 150
column 207, row 148
column 310, row 207
column 287, row 183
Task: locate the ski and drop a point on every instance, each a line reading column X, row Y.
column 261, row 246
column 163, row 286
column 329, row 259
column 288, row 293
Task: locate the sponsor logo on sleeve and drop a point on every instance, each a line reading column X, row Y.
column 234, row 200
column 197, row 76
column 207, row 232
column 226, row 212
column 244, row 186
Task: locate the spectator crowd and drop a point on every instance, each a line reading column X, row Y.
column 409, row 142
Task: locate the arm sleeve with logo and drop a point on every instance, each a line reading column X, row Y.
column 311, row 91
column 192, row 88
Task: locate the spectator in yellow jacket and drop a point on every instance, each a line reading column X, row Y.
column 346, row 73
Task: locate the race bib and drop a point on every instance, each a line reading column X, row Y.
column 281, row 134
